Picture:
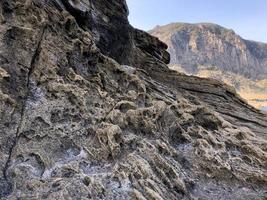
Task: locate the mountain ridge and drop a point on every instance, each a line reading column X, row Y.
column 207, row 49
column 223, row 35
column 207, row 24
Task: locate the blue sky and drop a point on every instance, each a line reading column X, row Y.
column 247, row 18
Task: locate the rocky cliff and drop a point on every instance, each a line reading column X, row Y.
column 209, row 45
column 90, row 110
column 209, row 50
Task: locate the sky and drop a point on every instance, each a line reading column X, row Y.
column 248, row 18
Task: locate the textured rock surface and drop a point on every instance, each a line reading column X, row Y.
column 209, row 50
column 89, row 110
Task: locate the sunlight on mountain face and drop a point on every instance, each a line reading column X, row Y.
column 211, row 51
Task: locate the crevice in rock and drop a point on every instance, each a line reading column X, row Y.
column 78, row 15
column 202, row 92
column 22, row 113
column 228, row 114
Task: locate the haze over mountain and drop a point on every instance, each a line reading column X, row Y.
column 209, row 50
column 247, row 18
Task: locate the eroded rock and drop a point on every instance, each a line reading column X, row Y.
column 76, row 124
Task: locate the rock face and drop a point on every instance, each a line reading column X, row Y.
column 90, row 110
column 209, row 50
column 209, row 45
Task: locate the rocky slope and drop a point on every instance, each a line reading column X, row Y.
column 90, row 110
column 209, row 50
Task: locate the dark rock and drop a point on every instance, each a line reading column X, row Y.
column 5, row 188
column 96, row 113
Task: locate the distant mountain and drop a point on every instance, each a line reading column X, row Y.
column 210, row 50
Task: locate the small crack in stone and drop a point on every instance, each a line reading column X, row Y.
column 22, row 113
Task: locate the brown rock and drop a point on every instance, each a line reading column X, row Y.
column 83, row 126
